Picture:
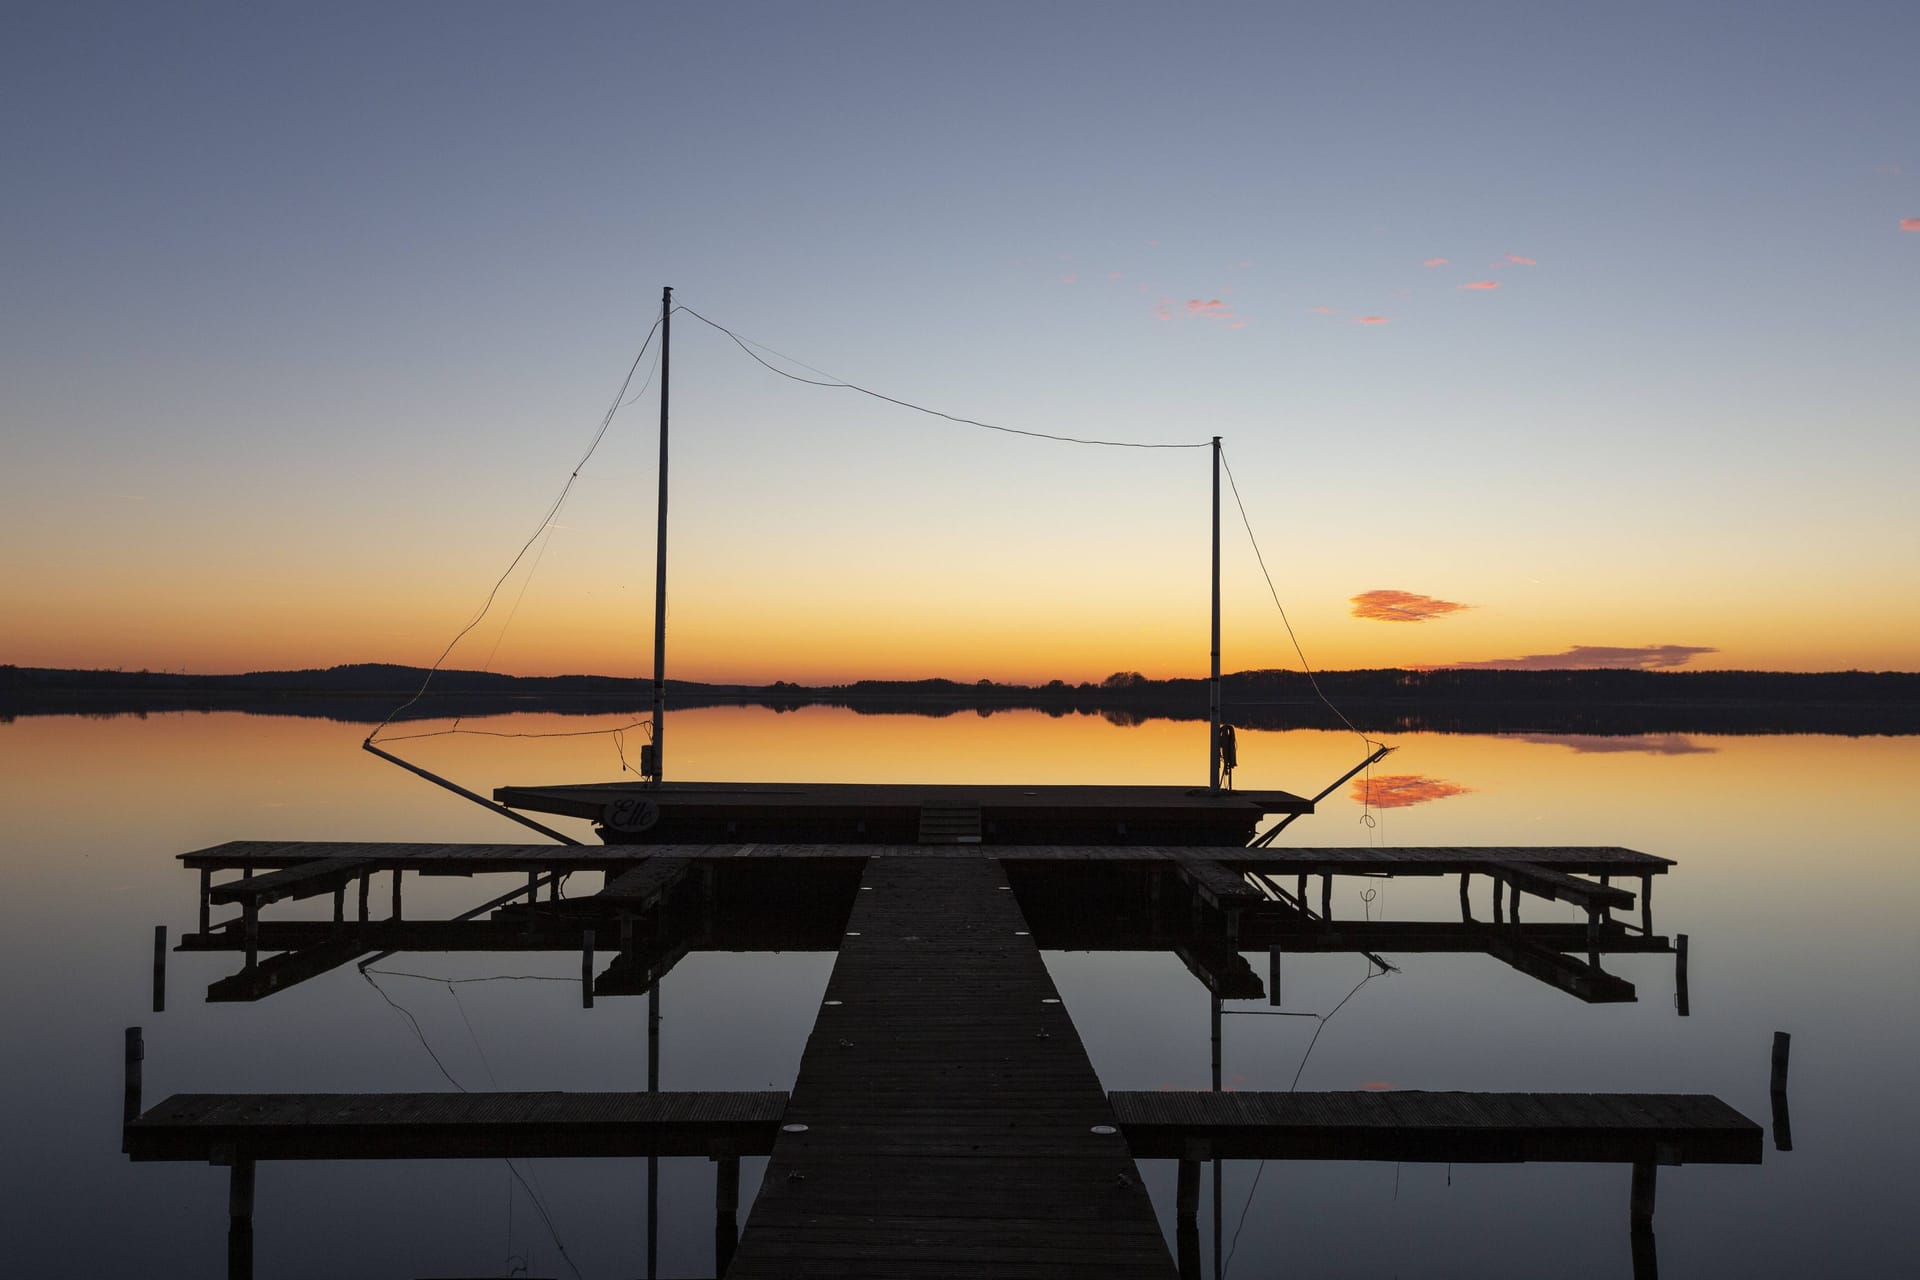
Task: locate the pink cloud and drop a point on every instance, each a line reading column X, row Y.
column 1163, row 309
column 1653, row 744
column 1399, row 790
column 1069, row 279
column 1482, row 284
column 1238, row 324
column 1213, row 308
column 1594, row 657
column 1520, row 261
column 1434, row 262
column 1115, row 275
column 1324, row 311
column 1910, row 224
column 1402, row 606
column 1374, row 320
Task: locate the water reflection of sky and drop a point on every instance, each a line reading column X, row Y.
column 1796, row 884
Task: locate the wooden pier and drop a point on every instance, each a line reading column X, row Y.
column 945, row 1118
column 953, row 1122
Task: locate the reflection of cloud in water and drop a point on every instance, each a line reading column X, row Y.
column 1398, row 790
column 1653, row 744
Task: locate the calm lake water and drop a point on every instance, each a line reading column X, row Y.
column 1796, row 883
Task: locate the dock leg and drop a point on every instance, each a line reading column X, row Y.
column 1641, row 1211
column 1593, row 937
column 1499, row 901
column 1326, row 898
column 586, row 970
column 1680, row 1002
column 1515, row 910
column 1300, row 894
column 340, row 905
column 206, row 899
column 1646, row 905
column 1782, row 1119
column 1186, row 1211
column 1273, row 975
column 240, row 1219
column 1216, row 1044
column 726, row 1212
column 366, row 887
column 159, row 968
column 251, row 924
column 1466, row 907
column 1646, row 1262
column 136, row 1057
column 396, row 893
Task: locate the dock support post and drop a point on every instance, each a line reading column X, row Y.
column 1216, row 1043
column 726, row 1211
column 206, row 899
column 586, row 970
column 1499, row 900
column 366, row 888
column 251, row 925
column 1646, row 905
column 1514, row 910
column 340, row 905
column 1187, row 1220
column 136, row 1056
column 396, row 893
column 1777, row 1091
column 1641, row 1207
column 240, row 1218
column 1300, row 894
column 1680, row 1002
column 1466, row 907
column 159, row 968
column 1326, row 897
column 1273, row 975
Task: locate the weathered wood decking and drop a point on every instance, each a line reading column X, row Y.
column 414, row 1126
column 950, row 1107
column 1409, row 1125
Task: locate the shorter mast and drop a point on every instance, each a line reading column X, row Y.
column 658, row 772
column 1213, row 684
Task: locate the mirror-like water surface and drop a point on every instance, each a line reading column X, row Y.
column 1796, row 884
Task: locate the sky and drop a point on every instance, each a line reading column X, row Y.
column 1537, row 334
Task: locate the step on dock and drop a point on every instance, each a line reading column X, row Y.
column 950, row 1110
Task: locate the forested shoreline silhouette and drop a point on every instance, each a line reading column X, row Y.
column 1612, row 701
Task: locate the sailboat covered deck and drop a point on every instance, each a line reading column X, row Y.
column 908, row 813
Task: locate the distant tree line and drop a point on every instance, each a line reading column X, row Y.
column 1384, row 700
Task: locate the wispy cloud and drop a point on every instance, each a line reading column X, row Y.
column 1209, row 307
column 1374, row 320
column 1323, row 311
column 1069, row 279
column 1652, row 744
column 1402, row 606
column 1594, row 657
column 1399, row 790
column 1910, row 224
column 1434, row 262
column 1517, row 260
column 1163, row 309
column 1482, row 284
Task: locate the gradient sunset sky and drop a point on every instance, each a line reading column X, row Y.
column 1563, row 334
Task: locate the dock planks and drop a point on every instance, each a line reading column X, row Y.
column 1410, row 1125
column 411, row 1126
column 949, row 1108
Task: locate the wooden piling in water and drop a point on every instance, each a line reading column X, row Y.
column 586, row 970
column 136, row 1054
column 159, row 968
column 1680, row 1000
column 240, row 1181
column 1777, row 1091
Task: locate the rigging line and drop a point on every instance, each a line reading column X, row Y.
column 1324, row 1019
column 422, row 1037
column 450, row 982
column 545, row 520
column 919, row 408
column 1366, row 803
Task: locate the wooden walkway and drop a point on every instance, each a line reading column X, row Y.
column 949, row 1107
column 1611, row 1128
column 414, row 1126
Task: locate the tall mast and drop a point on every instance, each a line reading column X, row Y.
column 660, row 555
column 1213, row 684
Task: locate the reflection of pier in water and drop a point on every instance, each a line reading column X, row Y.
column 947, row 1113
